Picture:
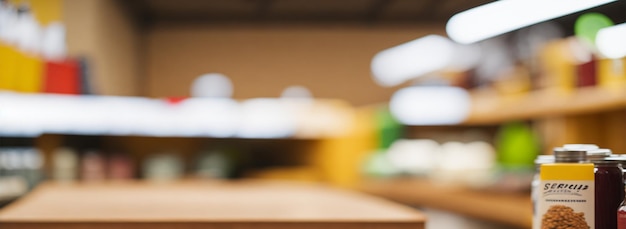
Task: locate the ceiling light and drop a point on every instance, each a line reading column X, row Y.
column 395, row 65
column 503, row 16
column 430, row 105
column 610, row 41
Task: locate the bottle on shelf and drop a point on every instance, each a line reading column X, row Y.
column 64, row 165
column 29, row 64
column 120, row 167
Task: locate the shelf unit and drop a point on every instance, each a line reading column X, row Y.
column 122, row 64
column 315, row 129
column 582, row 115
column 513, row 209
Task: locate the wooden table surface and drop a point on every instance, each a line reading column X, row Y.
column 233, row 205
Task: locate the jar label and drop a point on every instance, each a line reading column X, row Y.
column 566, row 196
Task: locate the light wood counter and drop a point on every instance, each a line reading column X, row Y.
column 233, row 205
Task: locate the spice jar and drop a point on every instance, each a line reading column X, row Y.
column 561, row 155
column 566, row 198
column 565, row 155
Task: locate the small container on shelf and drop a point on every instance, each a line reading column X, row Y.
column 120, row 167
column 163, row 167
column 93, row 166
column 612, row 73
column 64, row 165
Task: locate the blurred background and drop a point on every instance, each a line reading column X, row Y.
column 386, row 97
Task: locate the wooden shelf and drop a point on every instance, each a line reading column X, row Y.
column 244, row 204
column 490, row 108
column 514, row 209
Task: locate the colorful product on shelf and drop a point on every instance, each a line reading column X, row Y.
column 586, row 29
column 586, row 73
column 608, row 182
column 517, row 146
column 28, row 41
column 213, row 164
column 93, row 166
column 33, row 56
column 569, row 153
column 611, row 73
column 120, row 167
column 62, row 77
column 64, row 165
column 557, row 64
column 7, row 67
column 29, row 73
column 163, row 167
column 567, row 196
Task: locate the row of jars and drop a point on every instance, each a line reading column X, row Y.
column 610, row 180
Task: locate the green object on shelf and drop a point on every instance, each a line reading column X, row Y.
column 388, row 128
column 517, row 146
column 214, row 164
column 588, row 25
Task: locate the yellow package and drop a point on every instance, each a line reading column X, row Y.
column 8, row 67
column 612, row 73
column 567, row 196
column 29, row 74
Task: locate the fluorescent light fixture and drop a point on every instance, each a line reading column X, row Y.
column 430, row 105
column 611, row 41
column 34, row 114
column 465, row 57
column 395, row 65
column 215, row 117
column 503, row 16
column 265, row 118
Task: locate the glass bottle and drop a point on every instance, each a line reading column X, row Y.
column 609, row 193
column 622, row 160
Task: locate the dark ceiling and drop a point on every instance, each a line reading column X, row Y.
column 260, row 11
column 367, row 12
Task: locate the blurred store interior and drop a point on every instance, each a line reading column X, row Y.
column 408, row 100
